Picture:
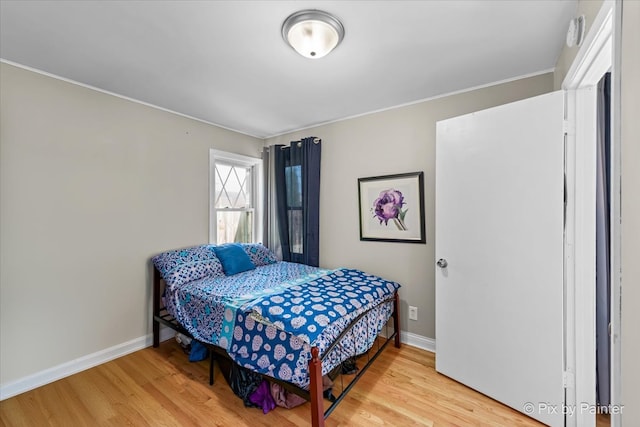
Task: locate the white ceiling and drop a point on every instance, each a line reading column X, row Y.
column 225, row 62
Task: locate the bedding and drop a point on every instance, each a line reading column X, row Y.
column 269, row 318
column 282, row 350
column 206, row 307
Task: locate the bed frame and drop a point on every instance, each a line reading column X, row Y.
column 315, row 392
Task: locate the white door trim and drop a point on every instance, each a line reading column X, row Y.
column 616, row 219
column 597, row 55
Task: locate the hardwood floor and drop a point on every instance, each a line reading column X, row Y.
column 159, row 387
column 602, row 420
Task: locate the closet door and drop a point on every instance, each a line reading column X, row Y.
column 499, row 247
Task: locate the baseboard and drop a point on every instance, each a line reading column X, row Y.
column 66, row 369
column 419, row 341
column 414, row 340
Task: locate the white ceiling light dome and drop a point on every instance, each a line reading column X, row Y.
column 312, row 33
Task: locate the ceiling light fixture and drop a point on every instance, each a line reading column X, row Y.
column 312, row 33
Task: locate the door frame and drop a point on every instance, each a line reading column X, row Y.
column 598, row 54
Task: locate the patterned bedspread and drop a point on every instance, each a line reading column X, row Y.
column 269, row 318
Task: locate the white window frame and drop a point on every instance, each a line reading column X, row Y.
column 256, row 189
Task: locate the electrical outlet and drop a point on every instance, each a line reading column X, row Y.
column 413, row 313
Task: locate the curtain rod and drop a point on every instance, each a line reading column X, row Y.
column 315, row 141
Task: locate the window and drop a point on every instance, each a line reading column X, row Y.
column 233, row 198
column 293, row 177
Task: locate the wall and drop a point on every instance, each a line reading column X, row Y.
column 590, row 9
column 393, row 141
column 91, row 185
column 630, row 151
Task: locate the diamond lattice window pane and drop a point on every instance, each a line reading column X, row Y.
column 232, row 186
column 221, row 196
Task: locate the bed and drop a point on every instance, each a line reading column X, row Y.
column 290, row 323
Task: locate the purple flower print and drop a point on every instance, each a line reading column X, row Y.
column 388, row 206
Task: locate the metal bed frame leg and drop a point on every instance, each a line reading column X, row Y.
column 315, row 388
column 396, row 319
column 156, row 307
column 212, row 362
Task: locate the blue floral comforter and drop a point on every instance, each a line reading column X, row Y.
column 269, row 318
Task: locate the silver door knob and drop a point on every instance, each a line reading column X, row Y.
column 442, row 263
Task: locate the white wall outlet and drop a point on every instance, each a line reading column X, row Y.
column 413, row 313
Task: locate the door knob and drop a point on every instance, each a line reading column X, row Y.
column 442, row 263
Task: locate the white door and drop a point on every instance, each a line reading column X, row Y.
column 499, row 229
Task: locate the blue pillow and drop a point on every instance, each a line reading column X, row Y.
column 233, row 258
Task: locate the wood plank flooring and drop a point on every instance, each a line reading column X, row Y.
column 159, row 387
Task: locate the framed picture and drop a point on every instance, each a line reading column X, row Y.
column 392, row 208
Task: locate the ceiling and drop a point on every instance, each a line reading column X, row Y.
column 225, row 62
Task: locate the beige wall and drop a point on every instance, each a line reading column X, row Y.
column 630, row 151
column 588, row 8
column 91, row 185
column 394, row 141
